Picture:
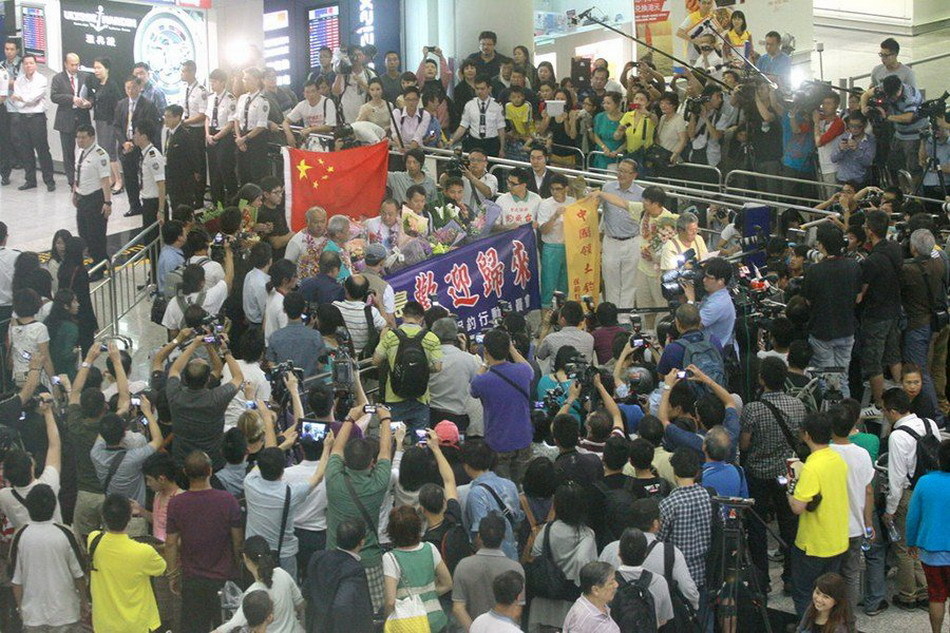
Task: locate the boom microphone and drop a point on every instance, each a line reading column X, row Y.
column 577, row 19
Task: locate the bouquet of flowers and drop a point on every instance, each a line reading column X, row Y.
column 413, row 223
column 484, row 217
column 356, row 248
column 447, row 237
column 441, row 216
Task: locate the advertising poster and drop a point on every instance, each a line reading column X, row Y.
column 654, row 27
column 162, row 36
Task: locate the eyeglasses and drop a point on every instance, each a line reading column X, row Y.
column 513, row 183
column 883, row 55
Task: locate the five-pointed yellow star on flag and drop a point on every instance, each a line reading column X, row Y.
column 303, row 168
column 330, row 169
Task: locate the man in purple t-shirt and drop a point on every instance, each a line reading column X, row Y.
column 503, row 388
column 202, row 545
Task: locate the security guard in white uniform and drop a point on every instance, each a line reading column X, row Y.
column 195, row 105
column 151, row 175
column 250, row 117
column 92, row 192
column 219, row 139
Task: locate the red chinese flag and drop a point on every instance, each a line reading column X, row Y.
column 350, row 182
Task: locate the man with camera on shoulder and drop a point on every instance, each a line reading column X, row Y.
column 897, row 103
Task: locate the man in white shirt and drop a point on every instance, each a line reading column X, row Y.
column 518, row 205
column 412, row 121
column 29, row 124
column 196, row 291
column 351, row 88
column 353, row 309
column 316, row 113
column 553, row 255
column 860, row 498
column 19, row 470
column 219, row 138
column 255, row 284
column 483, row 122
column 250, row 127
column 477, row 184
column 92, row 191
column 151, row 174
column 48, row 580
column 633, row 552
column 9, row 69
column 621, row 248
column 195, row 105
column 310, row 521
column 902, row 475
column 505, row 616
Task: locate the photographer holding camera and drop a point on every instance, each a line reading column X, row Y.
column 707, row 126
column 197, row 408
column 897, row 103
column 717, row 312
column 477, row 184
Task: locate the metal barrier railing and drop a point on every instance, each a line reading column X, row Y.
column 850, row 81
column 580, row 155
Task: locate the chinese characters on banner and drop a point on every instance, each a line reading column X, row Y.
column 582, row 243
column 471, row 280
column 652, row 18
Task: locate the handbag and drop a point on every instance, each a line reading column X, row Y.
column 409, row 614
column 543, row 577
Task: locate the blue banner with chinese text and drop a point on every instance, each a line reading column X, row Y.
column 471, row 280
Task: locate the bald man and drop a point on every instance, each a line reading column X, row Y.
column 68, row 92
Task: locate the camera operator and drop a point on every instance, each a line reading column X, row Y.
column 898, row 103
column 692, row 338
column 832, row 287
column 715, row 408
column 351, row 84
column 570, row 317
column 477, row 184
column 716, row 310
column 764, row 127
column 708, row 126
column 197, row 408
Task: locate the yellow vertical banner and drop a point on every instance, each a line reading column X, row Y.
column 582, row 247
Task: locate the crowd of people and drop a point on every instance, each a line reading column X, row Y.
column 578, row 469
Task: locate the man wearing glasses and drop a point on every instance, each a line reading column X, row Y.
column 890, row 66
column 518, row 205
column 477, row 184
column 853, row 151
column 621, row 247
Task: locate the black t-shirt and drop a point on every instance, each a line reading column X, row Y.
column 453, row 516
column 585, row 469
column 881, row 272
column 278, row 217
column 832, row 287
column 655, row 487
column 767, row 142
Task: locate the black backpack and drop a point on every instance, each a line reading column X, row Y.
column 409, row 375
column 633, row 608
column 543, row 577
column 928, row 445
column 617, row 509
column 684, row 616
column 455, row 545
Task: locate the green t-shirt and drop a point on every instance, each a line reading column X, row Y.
column 389, row 345
column 370, row 486
column 869, row 442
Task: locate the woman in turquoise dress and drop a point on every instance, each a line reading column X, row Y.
column 605, row 124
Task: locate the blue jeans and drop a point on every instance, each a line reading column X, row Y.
column 413, row 413
column 916, row 350
column 805, row 571
column 875, row 584
column 835, row 352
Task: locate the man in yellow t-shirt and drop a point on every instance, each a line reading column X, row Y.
column 122, row 596
column 821, row 501
column 414, row 411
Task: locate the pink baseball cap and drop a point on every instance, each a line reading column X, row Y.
column 447, row 431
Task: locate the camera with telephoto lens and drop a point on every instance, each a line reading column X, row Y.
column 457, row 164
column 933, row 107
column 276, row 376
column 878, row 100
column 694, row 105
column 581, row 371
column 687, row 271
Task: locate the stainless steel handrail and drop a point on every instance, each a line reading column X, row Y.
column 851, row 80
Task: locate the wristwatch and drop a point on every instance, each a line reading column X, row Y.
column 85, row 365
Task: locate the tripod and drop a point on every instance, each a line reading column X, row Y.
column 737, row 572
column 932, row 163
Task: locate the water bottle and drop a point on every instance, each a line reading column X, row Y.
column 892, row 532
column 866, row 542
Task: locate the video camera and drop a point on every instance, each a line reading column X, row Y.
column 277, row 375
column 878, row 100
column 934, row 107
column 694, row 105
column 457, row 164
column 687, row 271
